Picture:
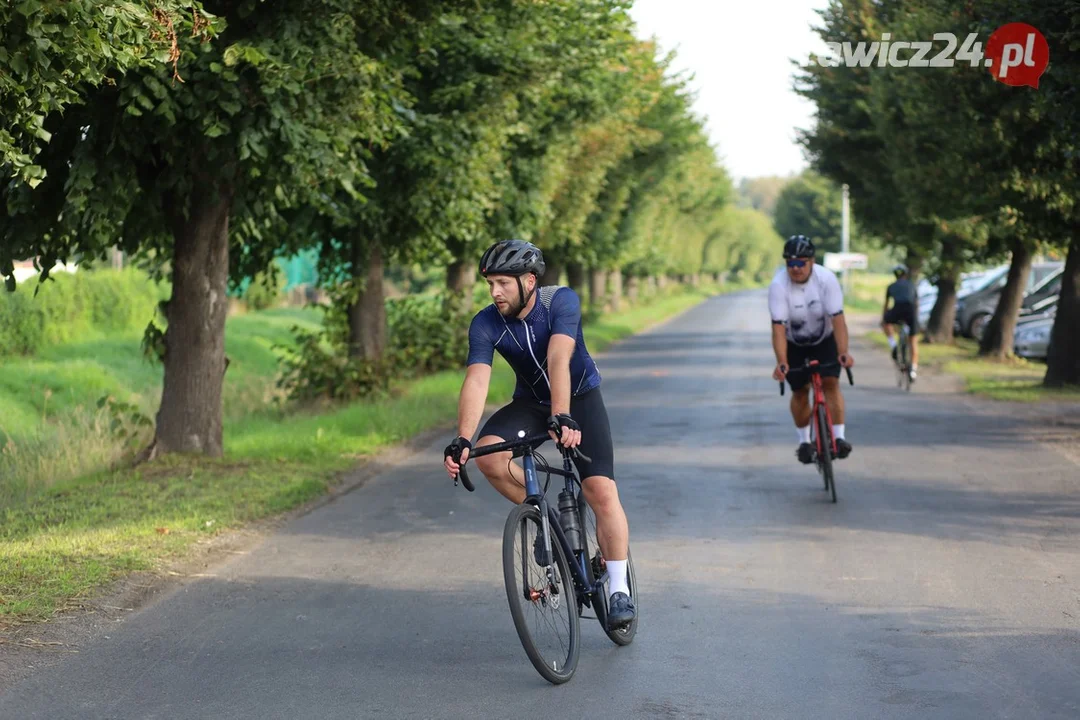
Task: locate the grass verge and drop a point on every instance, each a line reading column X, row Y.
column 52, row 429
column 1016, row 380
column 867, row 292
column 64, row 542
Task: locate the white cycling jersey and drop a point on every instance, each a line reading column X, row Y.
column 806, row 309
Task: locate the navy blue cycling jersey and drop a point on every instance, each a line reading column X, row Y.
column 524, row 343
column 902, row 291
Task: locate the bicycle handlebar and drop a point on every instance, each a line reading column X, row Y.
column 483, row 450
column 816, row 369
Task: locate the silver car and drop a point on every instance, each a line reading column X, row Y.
column 1032, row 337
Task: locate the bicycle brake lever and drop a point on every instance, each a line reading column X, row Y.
column 583, row 456
column 464, row 477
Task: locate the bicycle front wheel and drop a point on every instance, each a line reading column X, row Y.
column 542, row 600
column 825, row 457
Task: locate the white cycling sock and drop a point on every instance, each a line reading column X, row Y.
column 617, row 577
column 892, row 342
column 804, row 434
column 838, row 431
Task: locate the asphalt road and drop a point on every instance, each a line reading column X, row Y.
column 944, row 584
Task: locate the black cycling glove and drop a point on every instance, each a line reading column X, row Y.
column 557, row 422
column 454, row 449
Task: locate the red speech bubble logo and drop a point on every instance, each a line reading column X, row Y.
column 1017, row 54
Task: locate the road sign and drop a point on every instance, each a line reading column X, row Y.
column 838, row 262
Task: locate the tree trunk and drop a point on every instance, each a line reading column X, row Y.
column 939, row 329
column 1063, row 360
column 575, row 277
column 615, row 287
column 633, row 289
column 460, row 279
column 367, row 316
column 190, row 420
column 661, row 281
column 554, row 270
column 914, row 262
column 997, row 341
column 597, row 290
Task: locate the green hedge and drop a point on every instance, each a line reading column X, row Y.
column 75, row 307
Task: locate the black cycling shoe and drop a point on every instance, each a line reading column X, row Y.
column 805, row 453
column 539, row 553
column 621, row 611
column 843, row 448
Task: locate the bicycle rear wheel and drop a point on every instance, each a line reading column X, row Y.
column 905, row 362
column 595, row 567
column 542, row 601
column 825, row 458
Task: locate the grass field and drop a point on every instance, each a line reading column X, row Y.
column 63, row 536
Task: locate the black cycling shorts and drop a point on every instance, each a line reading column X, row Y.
column 824, row 352
column 587, row 410
column 902, row 313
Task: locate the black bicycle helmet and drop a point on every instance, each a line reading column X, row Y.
column 900, row 270
column 512, row 257
column 799, row 246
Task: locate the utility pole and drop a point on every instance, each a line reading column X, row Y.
column 845, row 240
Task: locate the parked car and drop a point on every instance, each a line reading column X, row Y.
column 973, row 312
column 1043, row 294
column 969, row 282
column 1032, row 337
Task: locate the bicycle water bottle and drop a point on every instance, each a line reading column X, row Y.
column 568, row 519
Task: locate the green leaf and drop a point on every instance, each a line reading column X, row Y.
column 216, row 130
column 28, row 7
column 231, row 56
column 231, row 106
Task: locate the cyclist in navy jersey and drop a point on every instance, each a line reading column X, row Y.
column 538, row 331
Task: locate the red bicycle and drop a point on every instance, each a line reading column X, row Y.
column 821, row 435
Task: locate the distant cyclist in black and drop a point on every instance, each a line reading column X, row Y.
column 904, row 310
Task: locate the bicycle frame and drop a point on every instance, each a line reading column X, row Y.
column 815, row 368
column 534, row 495
column 819, row 399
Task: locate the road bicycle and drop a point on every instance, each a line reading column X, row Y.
column 561, row 571
column 903, row 358
column 821, row 435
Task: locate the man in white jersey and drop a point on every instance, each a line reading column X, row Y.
column 807, row 308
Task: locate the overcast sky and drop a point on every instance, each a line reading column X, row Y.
column 739, row 51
